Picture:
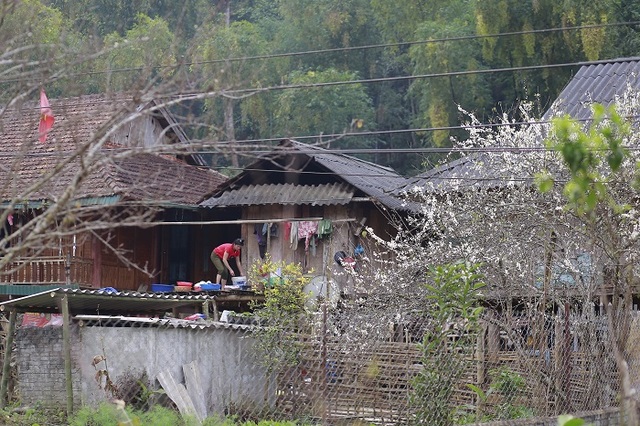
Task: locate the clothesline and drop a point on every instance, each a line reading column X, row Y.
column 244, row 221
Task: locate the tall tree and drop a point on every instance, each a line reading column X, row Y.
column 36, row 37
column 325, row 110
column 219, row 60
column 439, row 97
column 96, row 17
column 136, row 59
column 547, row 47
column 328, row 24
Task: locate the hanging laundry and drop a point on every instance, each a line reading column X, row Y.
column 324, row 227
column 257, row 230
column 312, row 245
column 293, row 237
column 306, row 229
column 287, row 230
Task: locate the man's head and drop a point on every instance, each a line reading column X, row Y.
column 238, row 243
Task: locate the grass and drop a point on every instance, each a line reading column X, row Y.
column 111, row 415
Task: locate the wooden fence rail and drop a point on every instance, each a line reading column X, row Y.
column 48, row 270
column 376, row 383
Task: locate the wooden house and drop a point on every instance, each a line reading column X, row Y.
column 90, row 206
column 305, row 204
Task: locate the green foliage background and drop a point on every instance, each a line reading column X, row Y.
column 150, row 41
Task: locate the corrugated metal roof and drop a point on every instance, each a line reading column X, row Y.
column 119, row 320
column 27, row 289
column 377, row 181
column 102, row 302
column 89, row 201
column 365, row 179
column 478, row 170
column 285, row 194
column 600, row 83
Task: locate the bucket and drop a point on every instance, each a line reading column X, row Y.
column 239, row 281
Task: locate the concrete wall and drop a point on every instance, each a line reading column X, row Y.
column 40, row 365
column 227, row 368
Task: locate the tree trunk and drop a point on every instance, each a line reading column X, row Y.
column 230, row 130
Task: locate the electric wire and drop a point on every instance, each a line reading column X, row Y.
column 243, row 92
column 178, row 97
column 409, row 43
column 348, row 48
column 261, row 147
column 448, row 74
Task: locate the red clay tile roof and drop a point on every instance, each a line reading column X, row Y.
column 142, row 177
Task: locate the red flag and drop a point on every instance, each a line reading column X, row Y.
column 46, row 117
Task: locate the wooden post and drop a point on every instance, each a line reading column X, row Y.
column 492, row 343
column 481, row 356
column 480, row 365
column 216, row 316
column 66, row 347
column 6, row 364
column 268, row 238
column 205, row 309
column 67, row 270
column 567, row 353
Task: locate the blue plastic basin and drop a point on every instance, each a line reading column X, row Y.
column 161, row 288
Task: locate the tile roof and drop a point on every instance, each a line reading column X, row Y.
column 373, row 180
column 141, row 176
column 161, row 179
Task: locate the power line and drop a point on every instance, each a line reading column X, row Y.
column 413, row 77
column 259, row 147
column 332, row 137
column 327, row 138
column 350, row 48
column 409, row 43
column 192, row 96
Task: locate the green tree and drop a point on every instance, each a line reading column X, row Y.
column 547, row 47
column 438, row 98
column 145, row 52
column 624, row 40
column 34, row 27
column 325, row 110
column 584, row 153
column 398, row 21
column 454, row 314
column 282, row 315
column 328, row 24
column 102, row 17
column 39, row 41
column 219, row 61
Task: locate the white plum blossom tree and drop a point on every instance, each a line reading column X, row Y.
column 557, row 251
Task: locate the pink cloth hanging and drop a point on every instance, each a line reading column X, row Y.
column 306, row 230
